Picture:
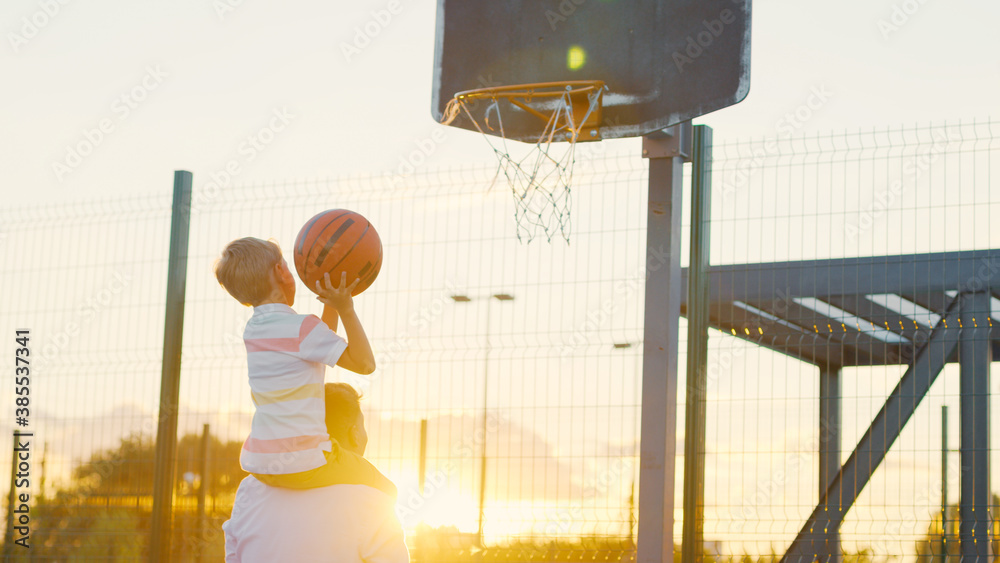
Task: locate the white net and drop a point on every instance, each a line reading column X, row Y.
column 541, row 177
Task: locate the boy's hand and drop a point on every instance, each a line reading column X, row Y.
column 337, row 297
column 358, row 356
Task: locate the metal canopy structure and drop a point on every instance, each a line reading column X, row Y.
column 818, row 311
column 921, row 310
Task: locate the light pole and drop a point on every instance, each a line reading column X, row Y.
column 486, row 370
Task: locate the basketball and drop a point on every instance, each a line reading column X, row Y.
column 336, row 241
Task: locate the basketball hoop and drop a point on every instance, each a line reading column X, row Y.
column 568, row 111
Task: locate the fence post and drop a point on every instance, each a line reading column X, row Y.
column 206, row 478
column 422, row 471
column 166, row 432
column 692, row 529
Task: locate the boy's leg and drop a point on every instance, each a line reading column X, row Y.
column 342, row 468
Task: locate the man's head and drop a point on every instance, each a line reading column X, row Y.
column 253, row 271
column 344, row 420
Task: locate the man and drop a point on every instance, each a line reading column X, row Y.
column 334, row 524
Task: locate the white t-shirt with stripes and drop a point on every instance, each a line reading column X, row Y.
column 287, row 355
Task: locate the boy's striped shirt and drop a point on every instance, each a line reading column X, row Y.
column 287, row 355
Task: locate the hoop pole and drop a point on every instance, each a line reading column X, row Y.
column 658, row 441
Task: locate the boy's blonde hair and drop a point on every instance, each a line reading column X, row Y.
column 244, row 269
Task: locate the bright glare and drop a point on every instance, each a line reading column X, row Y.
column 438, row 508
column 576, row 57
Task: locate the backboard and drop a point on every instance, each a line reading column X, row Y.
column 663, row 61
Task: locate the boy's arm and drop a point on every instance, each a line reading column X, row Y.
column 339, row 305
column 330, row 317
column 358, row 357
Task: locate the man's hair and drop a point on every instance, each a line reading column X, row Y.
column 244, row 269
column 343, row 405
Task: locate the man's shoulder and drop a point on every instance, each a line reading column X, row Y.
column 273, row 523
column 365, row 493
column 359, row 493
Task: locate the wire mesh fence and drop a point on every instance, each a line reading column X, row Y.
column 525, row 358
column 861, row 234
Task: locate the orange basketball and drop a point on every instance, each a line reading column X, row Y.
column 338, row 241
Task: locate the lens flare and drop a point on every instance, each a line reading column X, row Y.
column 576, row 57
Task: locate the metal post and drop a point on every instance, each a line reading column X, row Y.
column 166, row 432
column 422, row 471
column 482, row 459
column 658, row 442
column 203, row 489
column 944, row 484
column 482, row 437
column 829, row 452
column 486, row 370
column 41, row 476
column 974, row 356
column 697, row 346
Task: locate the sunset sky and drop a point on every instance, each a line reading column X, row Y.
column 154, row 88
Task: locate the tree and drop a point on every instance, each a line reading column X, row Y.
column 223, row 464
column 128, row 469
column 932, row 547
column 122, row 471
column 105, row 511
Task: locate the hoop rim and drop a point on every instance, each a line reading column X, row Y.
column 576, row 105
column 531, row 90
column 585, row 96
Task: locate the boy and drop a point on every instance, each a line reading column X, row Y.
column 287, row 353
